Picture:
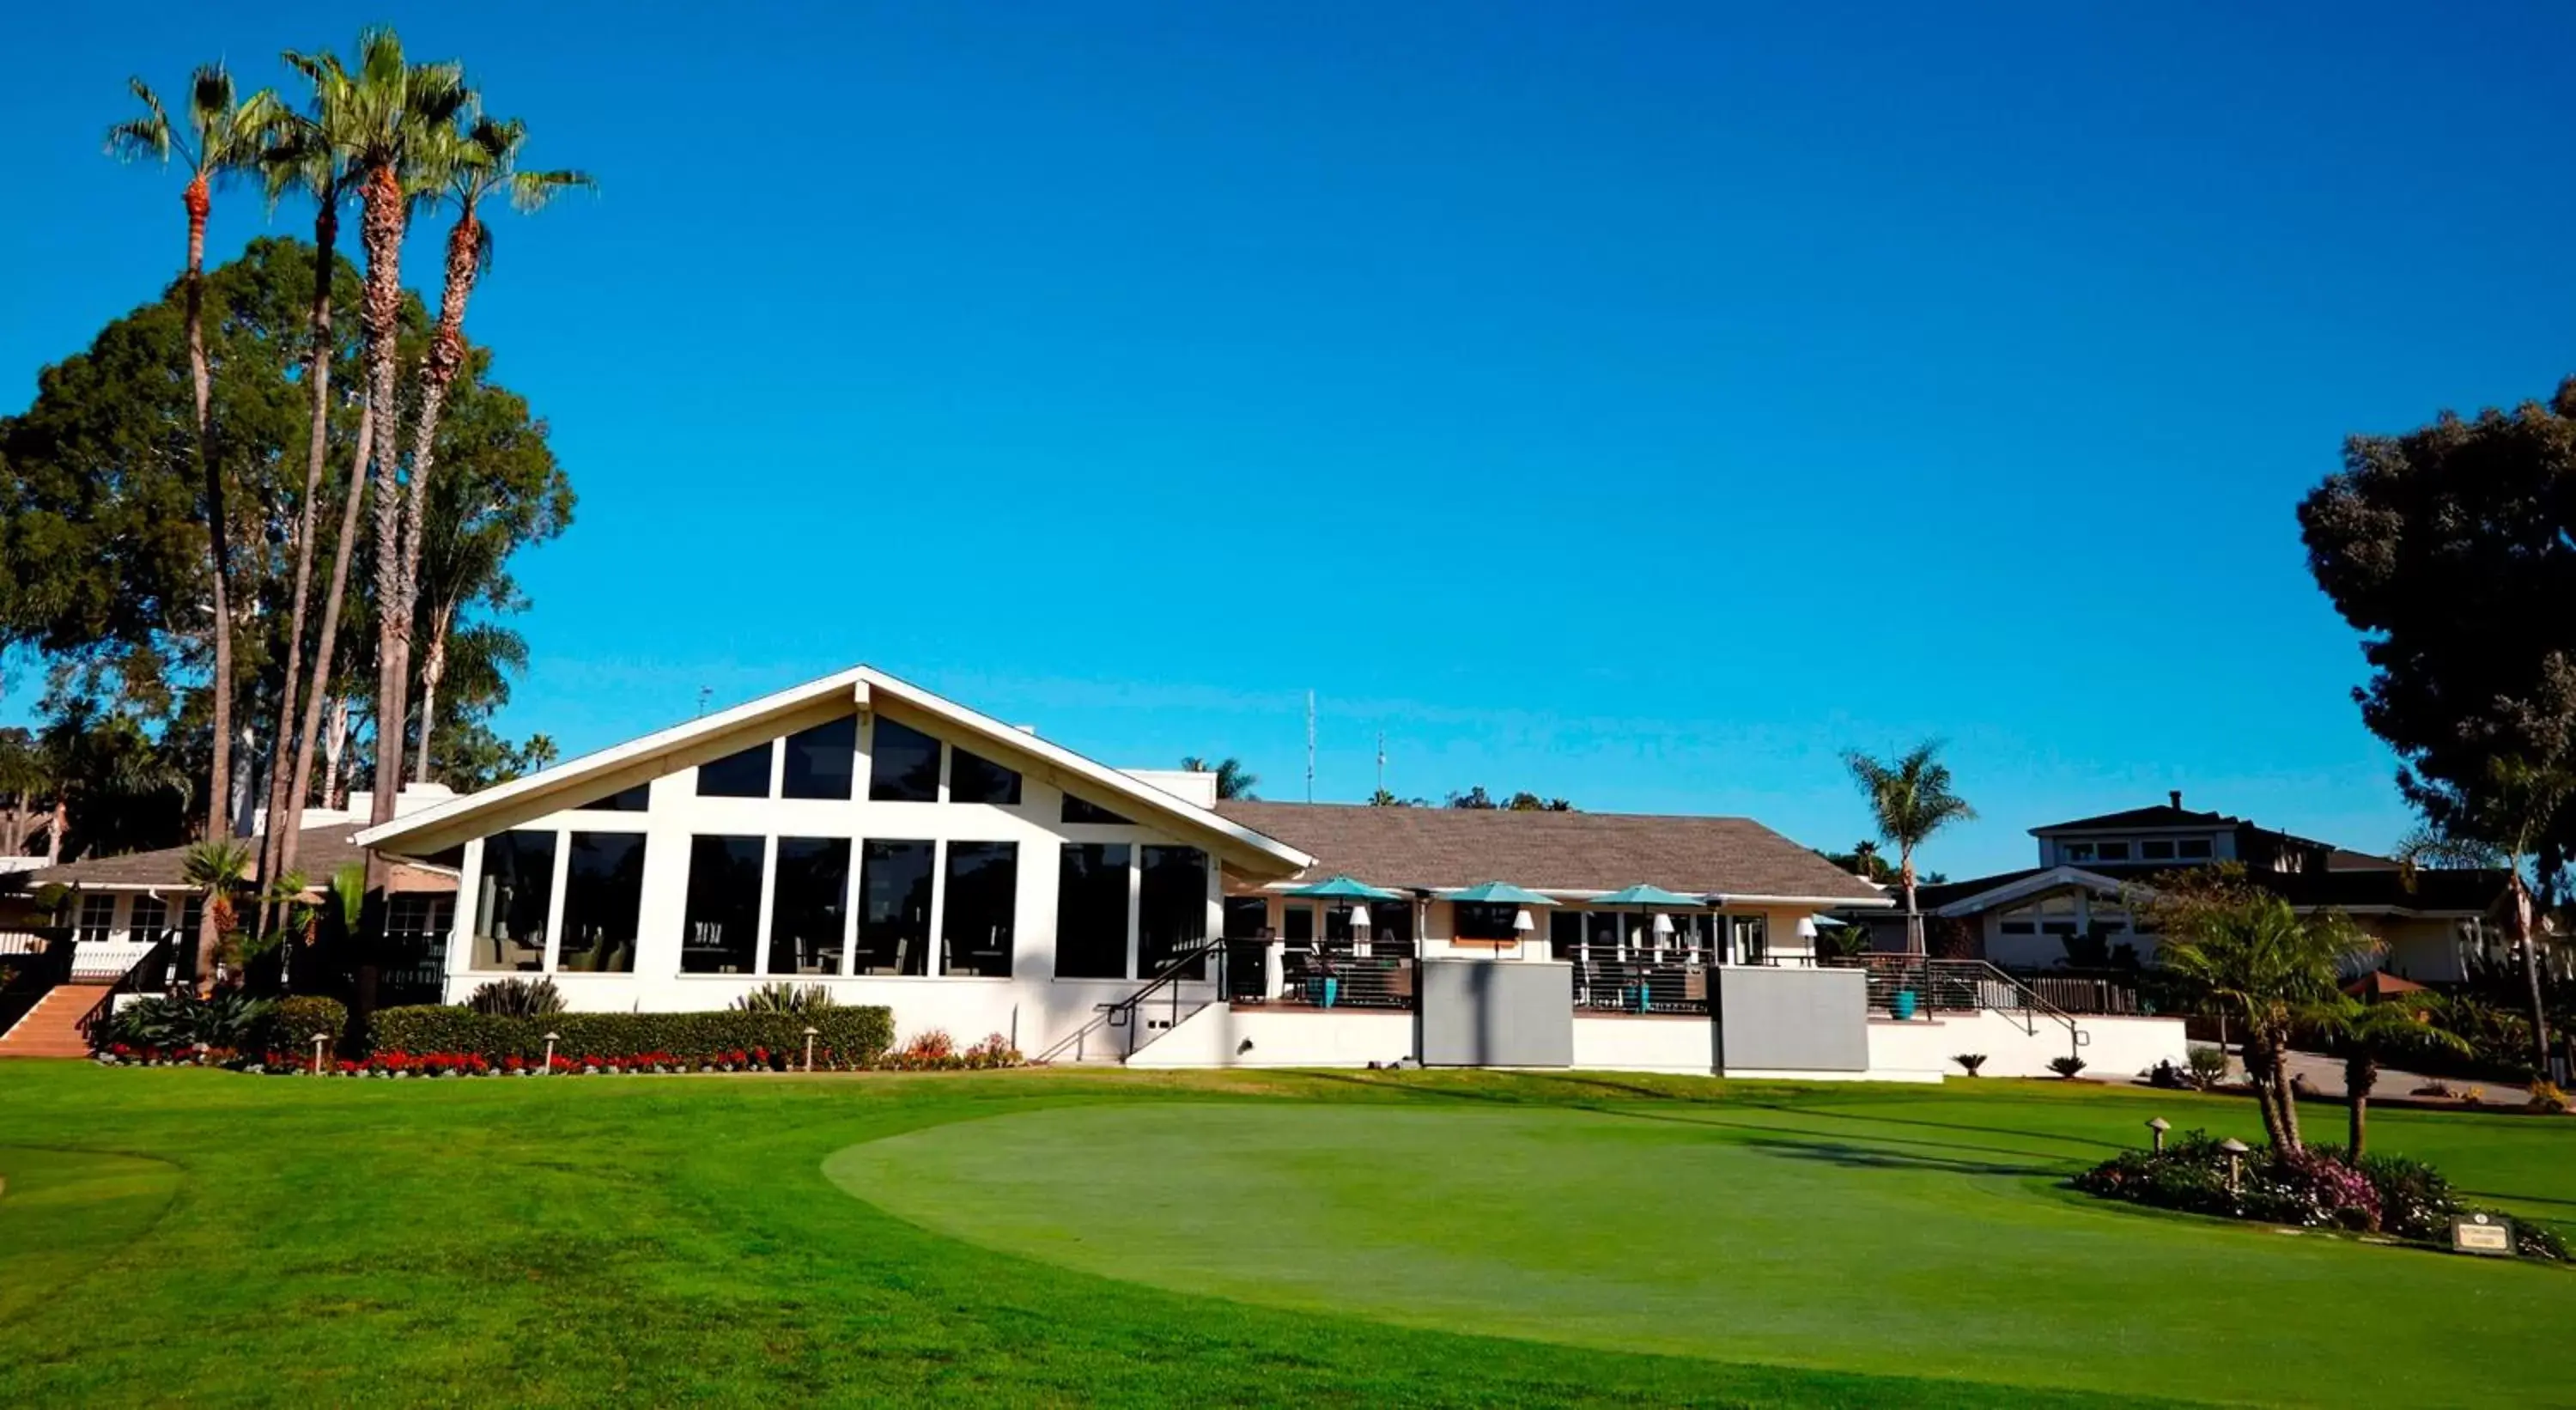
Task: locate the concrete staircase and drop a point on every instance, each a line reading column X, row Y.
column 52, row 1028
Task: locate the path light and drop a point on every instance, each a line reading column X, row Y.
column 550, row 1050
column 318, row 1040
column 810, row 1031
column 2235, row 1153
column 2160, row 1126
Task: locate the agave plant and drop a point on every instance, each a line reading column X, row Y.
column 783, row 997
column 228, row 1019
column 517, row 998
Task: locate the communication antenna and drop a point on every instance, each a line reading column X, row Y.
column 1381, row 761
column 705, row 694
column 1310, row 746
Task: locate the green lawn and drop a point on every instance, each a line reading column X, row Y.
column 1055, row 1237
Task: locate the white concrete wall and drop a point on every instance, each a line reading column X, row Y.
column 1032, row 1006
column 2118, row 1048
column 1645, row 1043
column 1216, row 1036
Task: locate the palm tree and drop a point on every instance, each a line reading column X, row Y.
column 219, row 867
column 2505, row 825
column 390, row 114
column 1231, row 779
column 2366, row 1033
column 1910, row 799
column 2246, row 951
column 219, row 138
column 468, row 166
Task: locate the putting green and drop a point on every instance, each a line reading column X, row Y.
column 1789, row 1237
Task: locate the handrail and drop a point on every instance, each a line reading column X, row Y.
column 34, row 972
column 1976, row 979
column 156, row 958
column 1122, row 1013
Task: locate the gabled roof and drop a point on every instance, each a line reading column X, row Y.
column 2003, row 891
column 2160, row 816
column 324, row 850
column 1568, row 854
column 862, row 687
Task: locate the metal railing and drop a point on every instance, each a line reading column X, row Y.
column 1186, row 964
column 2085, row 996
column 1330, row 978
column 1909, row 986
column 149, row 973
column 1646, row 986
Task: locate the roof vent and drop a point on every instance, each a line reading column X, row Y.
column 2176, row 796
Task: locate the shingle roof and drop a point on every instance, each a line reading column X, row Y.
column 1454, row 847
column 2161, row 815
column 324, row 850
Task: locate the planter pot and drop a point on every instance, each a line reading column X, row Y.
column 1903, row 1004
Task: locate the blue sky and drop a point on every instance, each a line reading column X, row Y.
column 1637, row 403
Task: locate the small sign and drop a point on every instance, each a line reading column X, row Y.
column 2482, row 1234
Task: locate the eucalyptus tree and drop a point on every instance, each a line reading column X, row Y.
column 219, row 136
column 1910, row 799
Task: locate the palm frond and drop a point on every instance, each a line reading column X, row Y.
column 146, row 136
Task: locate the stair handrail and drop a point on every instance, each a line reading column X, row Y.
column 1122, row 1013
column 2031, row 1001
column 157, row 958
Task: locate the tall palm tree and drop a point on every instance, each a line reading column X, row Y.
column 218, row 137
column 2366, row 1033
column 1232, row 780
column 2246, row 951
column 1910, row 798
column 470, row 165
column 394, row 113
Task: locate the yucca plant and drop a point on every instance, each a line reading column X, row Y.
column 783, row 997
column 517, row 998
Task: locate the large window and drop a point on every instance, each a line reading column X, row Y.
column 1565, row 934
column 603, row 898
column 742, row 775
column 894, row 907
column 1486, row 920
column 1748, row 939
column 820, row 760
column 513, row 901
column 2156, row 851
column 2192, row 848
column 1246, row 917
column 97, row 917
column 811, row 900
column 150, row 916
column 1172, row 910
column 903, row 765
column 1091, row 911
column 720, row 923
column 632, row 800
column 2113, row 851
column 975, row 779
column 980, row 910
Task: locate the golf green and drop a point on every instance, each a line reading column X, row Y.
column 1854, row 1239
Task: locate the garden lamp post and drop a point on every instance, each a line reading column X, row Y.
column 2235, row 1155
column 318, row 1040
column 2160, row 1126
column 810, row 1031
column 551, row 1037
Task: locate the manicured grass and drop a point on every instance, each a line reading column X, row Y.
column 1429, row 1238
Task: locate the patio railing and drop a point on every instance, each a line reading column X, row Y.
column 1333, row 976
column 1677, row 985
column 1915, row 986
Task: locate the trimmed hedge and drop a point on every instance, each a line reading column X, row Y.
column 297, row 1017
column 855, row 1034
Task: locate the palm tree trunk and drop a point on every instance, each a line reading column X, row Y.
column 1913, row 917
column 433, row 668
column 54, row 831
column 2527, row 930
column 325, row 644
column 382, row 224
column 335, row 781
column 220, row 633
column 317, row 377
column 2360, row 1074
column 2289, row 1095
column 438, row 374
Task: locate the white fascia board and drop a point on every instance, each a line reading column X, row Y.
column 1748, row 898
column 2049, row 880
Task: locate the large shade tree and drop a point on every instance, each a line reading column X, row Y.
column 1910, row 798
column 2452, row 550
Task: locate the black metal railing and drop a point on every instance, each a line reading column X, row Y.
column 1331, row 975
column 1190, row 963
column 1916, row 986
column 147, row 974
column 1677, row 984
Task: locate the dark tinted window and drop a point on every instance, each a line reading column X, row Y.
column 2115, row 851
column 1171, row 912
column 513, row 900
column 973, row 779
column 720, row 928
column 1246, row 917
column 811, row 896
column 743, row 775
column 603, row 896
column 982, row 907
column 820, row 760
column 894, row 907
column 1300, row 925
column 903, row 766
column 1565, row 934
column 631, row 800
column 1077, row 810
column 2192, row 847
column 1487, row 920
column 1091, row 911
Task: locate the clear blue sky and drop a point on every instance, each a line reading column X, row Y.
column 1636, row 403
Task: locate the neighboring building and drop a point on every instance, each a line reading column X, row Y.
column 2072, row 909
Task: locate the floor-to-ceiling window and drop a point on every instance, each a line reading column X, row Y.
column 1171, row 910
column 981, row 908
column 1091, row 911
column 720, row 923
column 894, row 906
column 820, row 761
column 514, row 900
column 809, row 903
column 742, row 774
column 903, row 764
column 603, row 902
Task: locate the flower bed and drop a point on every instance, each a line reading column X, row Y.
column 2312, row 1189
column 930, row 1052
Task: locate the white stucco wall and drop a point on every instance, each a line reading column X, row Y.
column 1218, row 1035
column 1645, row 1043
column 2118, row 1048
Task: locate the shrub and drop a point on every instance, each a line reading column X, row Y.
column 229, row 1019
column 783, row 997
column 2208, row 1063
column 517, row 998
column 846, row 1036
column 935, row 1051
column 2546, row 1096
column 1970, row 1061
column 2067, row 1067
column 292, row 1024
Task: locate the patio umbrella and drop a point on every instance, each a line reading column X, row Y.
column 1645, row 897
column 1343, row 888
column 1497, row 893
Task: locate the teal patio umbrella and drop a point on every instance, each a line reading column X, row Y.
column 1498, row 893
column 1645, row 897
column 1342, row 888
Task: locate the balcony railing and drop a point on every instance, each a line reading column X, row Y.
column 1677, row 984
column 1329, row 976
